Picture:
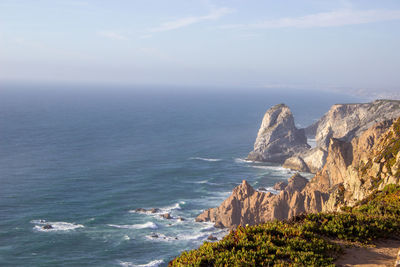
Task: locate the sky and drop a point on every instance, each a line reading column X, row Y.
column 236, row 43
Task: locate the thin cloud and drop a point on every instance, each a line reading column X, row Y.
column 112, row 35
column 183, row 22
column 325, row 19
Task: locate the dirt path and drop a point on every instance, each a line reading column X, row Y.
column 384, row 254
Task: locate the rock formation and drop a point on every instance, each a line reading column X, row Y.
column 278, row 138
column 344, row 122
column 352, row 171
column 247, row 206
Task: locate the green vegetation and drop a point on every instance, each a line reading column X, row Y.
column 305, row 240
column 391, row 149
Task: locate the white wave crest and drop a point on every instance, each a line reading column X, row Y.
column 205, row 159
column 239, row 160
column 154, row 263
column 167, row 209
column 201, row 182
column 54, row 226
column 149, row 225
column 160, row 237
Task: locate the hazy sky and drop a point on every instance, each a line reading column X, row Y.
column 299, row 43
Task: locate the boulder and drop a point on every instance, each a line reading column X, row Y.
column 296, row 163
column 166, row 216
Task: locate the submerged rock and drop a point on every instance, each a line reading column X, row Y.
column 140, row 210
column 166, row 216
column 278, row 138
column 47, row 227
column 154, row 210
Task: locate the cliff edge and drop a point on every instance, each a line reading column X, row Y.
column 353, row 170
column 343, row 122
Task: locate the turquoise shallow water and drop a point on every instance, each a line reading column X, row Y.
column 83, row 159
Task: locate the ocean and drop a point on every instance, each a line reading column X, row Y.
column 83, row 159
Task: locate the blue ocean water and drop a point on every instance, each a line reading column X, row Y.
column 83, row 159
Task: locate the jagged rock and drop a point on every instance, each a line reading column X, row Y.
column 344, row 122
column 241, row 208
column 278, row 138
column 247, row 206
column 280, row 185
column 212, row 238
column 296, row 183
column 166, row 216
column 154, row 210
column 296, row 163
column 352, row 171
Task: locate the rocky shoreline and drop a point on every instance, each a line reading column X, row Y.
column 353, row 164
column 353, row 199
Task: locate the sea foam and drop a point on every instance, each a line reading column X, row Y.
column 153, row 263
column 205, row 159
column 56, row 226
column 147, row 225
column 163, row 210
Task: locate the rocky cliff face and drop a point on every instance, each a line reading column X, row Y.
column 248, row 206
column 278, row 137
column 344, row 122
column 352, row 171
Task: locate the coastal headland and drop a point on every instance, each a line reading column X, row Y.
column 353, row 199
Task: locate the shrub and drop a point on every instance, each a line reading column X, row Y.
column 303, row 240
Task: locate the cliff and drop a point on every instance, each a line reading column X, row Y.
column 343, row 122
column 352, row 171
column 278, row 138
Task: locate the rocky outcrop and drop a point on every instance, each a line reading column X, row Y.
column 344, row 122
column 248, row 206
column 278, row 138
column 352, row 171
column 280, row 185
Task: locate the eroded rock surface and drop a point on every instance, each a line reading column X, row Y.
column 278, row 138
column 343, row 122
column 352, row 171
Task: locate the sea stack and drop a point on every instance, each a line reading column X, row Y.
column 278, row 137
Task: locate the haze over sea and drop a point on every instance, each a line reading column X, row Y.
column 83, row 159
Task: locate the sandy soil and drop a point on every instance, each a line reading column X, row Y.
column 383, row 254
